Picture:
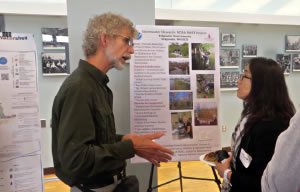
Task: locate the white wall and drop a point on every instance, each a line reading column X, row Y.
column 269, row 7
column 34, row 7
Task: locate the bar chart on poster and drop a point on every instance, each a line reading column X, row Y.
column 174, row 88
column 20, row 148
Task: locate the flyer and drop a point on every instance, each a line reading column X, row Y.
column 20, row 148
column 174, row 88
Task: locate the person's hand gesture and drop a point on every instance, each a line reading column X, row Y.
column 146, row 148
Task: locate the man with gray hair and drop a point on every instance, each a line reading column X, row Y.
column 88, row 154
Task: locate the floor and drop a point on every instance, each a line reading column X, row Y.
column 167, row 172
column 195, row 169
column 53, row 184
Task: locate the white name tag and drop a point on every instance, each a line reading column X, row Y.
column 245, row 158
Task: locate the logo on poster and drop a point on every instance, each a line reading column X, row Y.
column 3, row 61
column 209, row 38
column 138, row 35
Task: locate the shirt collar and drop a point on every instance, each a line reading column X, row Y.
column 96, row 73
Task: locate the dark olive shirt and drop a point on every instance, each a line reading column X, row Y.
column 85, row 145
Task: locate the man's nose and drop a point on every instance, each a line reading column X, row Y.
column 131, row 50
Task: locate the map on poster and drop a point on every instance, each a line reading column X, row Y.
column 175, row 88
column 20, row 149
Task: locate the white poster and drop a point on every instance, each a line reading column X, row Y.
column 174, row 87
column 20, row 149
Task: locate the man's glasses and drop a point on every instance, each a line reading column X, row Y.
column 243, row 76
column 126, row 39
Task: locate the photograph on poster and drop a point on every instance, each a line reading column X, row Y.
column 229, row 79
column 179, row 67
column 245, row 61
column 228, row 39
column 182, row 125
column 249, row 50
column 5, row 111
column 180, row 83
column 205, row 86
column 177, row 50
column 284, row 61
column 203, row 56
column 229, row 58
column 4, row 76
column 54, row 64
column 181, row 100
column 55, row 38
column 292, row 43
column 206, row 113
column 296, row 62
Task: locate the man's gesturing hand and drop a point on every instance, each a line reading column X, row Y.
column 148, row 149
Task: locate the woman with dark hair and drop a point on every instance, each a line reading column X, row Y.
column 267, row 112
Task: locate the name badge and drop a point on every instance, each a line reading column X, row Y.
column 245, row 158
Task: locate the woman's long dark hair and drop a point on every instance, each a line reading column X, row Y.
column 268, row 98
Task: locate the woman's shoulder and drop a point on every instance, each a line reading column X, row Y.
column 270, row 125
column 274, row 121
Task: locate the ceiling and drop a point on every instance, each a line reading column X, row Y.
column 273, row 7
column 254, row 11
column 269, row 7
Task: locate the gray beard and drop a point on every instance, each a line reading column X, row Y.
column 115, row 63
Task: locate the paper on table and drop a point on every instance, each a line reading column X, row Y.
column 210, row 163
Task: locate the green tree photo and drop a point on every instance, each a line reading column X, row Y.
column 178, row 50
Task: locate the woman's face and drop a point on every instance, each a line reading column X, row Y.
column 244, row 84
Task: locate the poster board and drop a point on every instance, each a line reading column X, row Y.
column 175, row 88
column 20, row 148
